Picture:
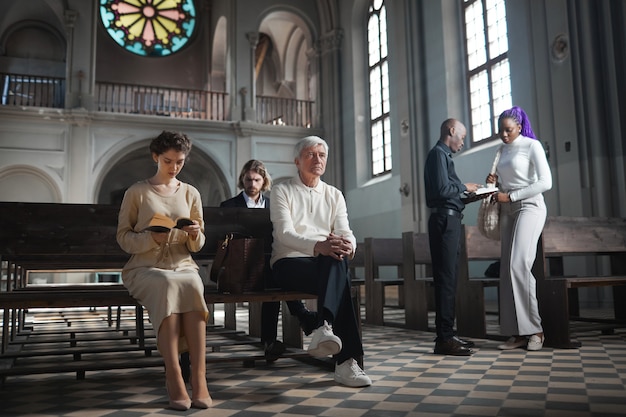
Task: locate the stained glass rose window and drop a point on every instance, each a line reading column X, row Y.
column 149, row 27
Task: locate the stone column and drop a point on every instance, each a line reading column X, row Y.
column 250, row 105
column 71, row 94
column 313, row 79
column 329, row 47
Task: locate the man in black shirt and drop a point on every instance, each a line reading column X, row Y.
column 443, row 196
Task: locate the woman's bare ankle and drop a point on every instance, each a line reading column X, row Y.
column 199, row 387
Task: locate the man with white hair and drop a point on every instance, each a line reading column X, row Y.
column 311, row 248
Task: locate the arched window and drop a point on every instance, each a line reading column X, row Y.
column 488, row 72
column 149, row 27
column 378, row 69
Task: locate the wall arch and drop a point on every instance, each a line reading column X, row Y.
column 25, row 183
column 329, row 15
column 133, row 163
column 219, row 56
column 285, row 72
column 31, row 39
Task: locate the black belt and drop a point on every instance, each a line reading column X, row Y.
column 448, row 212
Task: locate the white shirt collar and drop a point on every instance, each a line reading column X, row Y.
column 317, row 188
column 254, row 204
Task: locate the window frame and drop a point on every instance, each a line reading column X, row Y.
column 487, row 67
column 383, row 120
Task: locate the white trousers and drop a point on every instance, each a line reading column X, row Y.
column 521, row 224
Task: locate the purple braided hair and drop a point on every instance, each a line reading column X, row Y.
column 519, row 115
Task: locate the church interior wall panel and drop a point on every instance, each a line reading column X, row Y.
column 380, row 201
column 277, row 155
column 32, row 136
column 33, row 161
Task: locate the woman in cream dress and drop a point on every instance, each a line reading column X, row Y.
column 161, row 274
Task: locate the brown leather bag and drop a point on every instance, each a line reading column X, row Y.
column 239, row 264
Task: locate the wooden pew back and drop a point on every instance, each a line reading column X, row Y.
column 479, row 247
column 75, row 236
column 470, row 300
column 579, row 241
column 416, row 253
column 381, row 253
column 584, row 235
column 357, row 265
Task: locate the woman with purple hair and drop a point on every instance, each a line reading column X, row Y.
column 522, row 174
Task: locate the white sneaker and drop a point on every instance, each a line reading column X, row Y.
column 535, row 343
column 324, row 342
column 350, row 374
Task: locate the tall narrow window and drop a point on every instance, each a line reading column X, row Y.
column 149, row 27
column 488, row 73
column 379, row 88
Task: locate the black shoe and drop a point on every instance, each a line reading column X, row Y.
column 451, row 347
column 308, row 321
column 465, row 343
column 274, row 350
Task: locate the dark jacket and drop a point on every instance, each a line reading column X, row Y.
column 240, row 201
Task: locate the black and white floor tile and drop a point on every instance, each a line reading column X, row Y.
column 408, row 381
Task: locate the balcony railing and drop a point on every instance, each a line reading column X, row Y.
column 40, row 91
column 32, row 90
column 173, row 102
column 284, row 111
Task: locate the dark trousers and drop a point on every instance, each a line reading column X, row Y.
column 444, row 232
column 271, row 309
column 329, row 280
column 269, row 318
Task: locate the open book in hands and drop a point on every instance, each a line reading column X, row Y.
column 482, row 192
column 163, row 224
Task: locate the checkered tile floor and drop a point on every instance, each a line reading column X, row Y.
column 408, row 380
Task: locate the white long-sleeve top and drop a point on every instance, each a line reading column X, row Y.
column 302, row 216
column 523, row 170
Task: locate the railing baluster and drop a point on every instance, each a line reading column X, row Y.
column 284, row 111
column 29, row 96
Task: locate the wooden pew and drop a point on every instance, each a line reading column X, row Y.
column 357, row 266
column 563, row 240
column 49, row 236
column 379, row 253
column 357, row 278
column 470, row 299
column 417, row 279
column 596, row 249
